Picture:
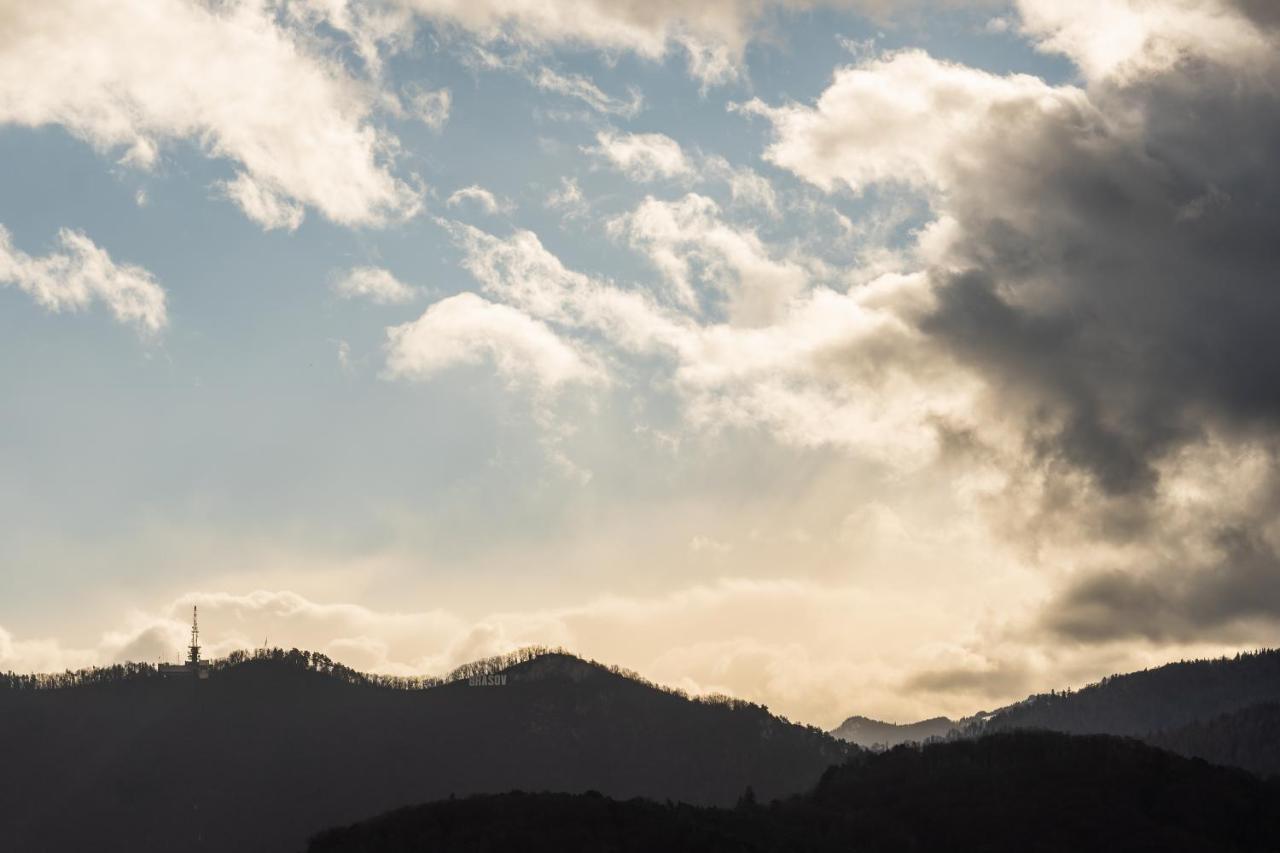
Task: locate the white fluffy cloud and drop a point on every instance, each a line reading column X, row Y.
column 830, row 369
column 690, row 243
column 642, row 156
column 1125, row 40
column 269, row 209
column 375, row 284
column 908, row 118
column 521, row 272
column 81, row 274
column 131, row 74
column 482, row 198
column 467, row 329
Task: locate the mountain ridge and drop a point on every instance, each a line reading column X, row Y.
column 869, row 733
column 1153, row 704
column 277, row 745
column 1007, row 792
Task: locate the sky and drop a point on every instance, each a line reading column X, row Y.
column 850, row 357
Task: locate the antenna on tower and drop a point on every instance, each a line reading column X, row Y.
column 193, row 651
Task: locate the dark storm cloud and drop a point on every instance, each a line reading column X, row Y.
column 996, row 681
column 1178, row 602
column 1263, row 12
column 1121, row 293
column 1138, row 300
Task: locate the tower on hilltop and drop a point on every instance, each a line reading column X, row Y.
column 194, row 666
column 193, row 650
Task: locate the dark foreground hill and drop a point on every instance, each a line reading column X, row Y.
column 1024, row 792
column 271, row 750
column 1248, row 738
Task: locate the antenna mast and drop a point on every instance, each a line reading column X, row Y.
column 193, row 651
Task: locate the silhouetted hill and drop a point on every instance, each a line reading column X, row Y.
column 1153, row 700
column 869, row 733
column 1180, row 706
column 270, row 750
column 1022, row 792
column 1248, row 738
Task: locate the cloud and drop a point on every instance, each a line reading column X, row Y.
column 1100, row 260
column 1127, row 40
column 134, row 74
column 909, row 118
column 262, row 205
column 782, row 642
column 642, row 157
column 747, row 187
column 568, row 199
column 430, row 106
column 521, row 272
column 1211, row 569
column 482, row 198
column 734, row 636
column 832, row 369
column 344, row 356
column 584, row 89
column 81, row 274
column 467, row 329
column 712, row 36
column 1227, row 596
column 375, row 284
column 688, row 241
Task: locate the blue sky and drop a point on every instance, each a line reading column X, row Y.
column 506, row 470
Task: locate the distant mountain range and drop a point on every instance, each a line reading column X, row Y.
column 274, row 748
column 869, row 733
column 1009, row 792
column 1207, row 708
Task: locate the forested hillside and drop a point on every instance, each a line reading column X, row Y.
column 1226, row 711
column 1141, row 703
column 1248, row 738
column 275, row 747
column 1004, row 793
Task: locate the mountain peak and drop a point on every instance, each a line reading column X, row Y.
column 866, row 732
column 552, row 665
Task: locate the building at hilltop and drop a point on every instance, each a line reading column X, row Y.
column 194, row 666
